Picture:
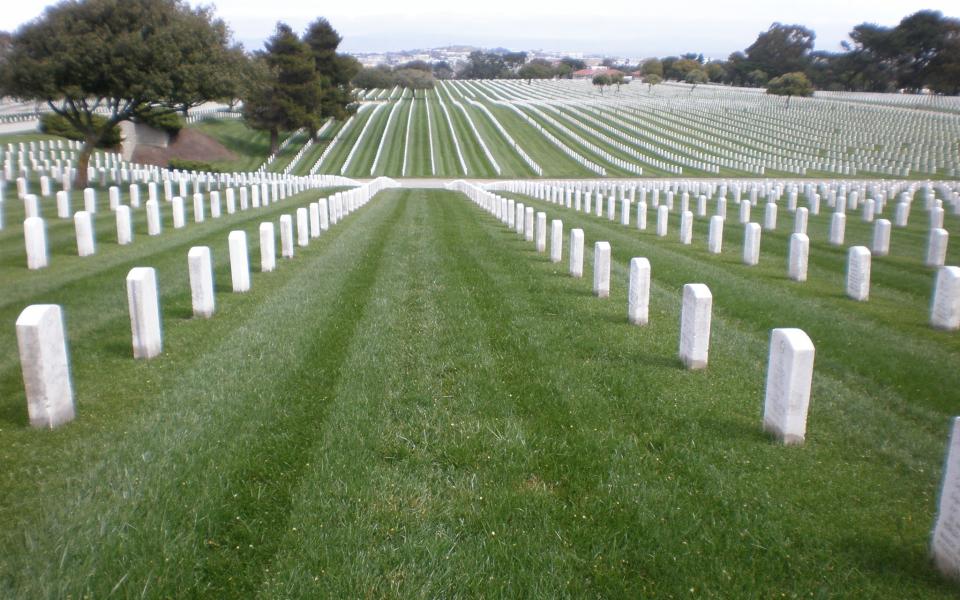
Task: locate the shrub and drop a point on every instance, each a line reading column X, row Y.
column 54, row 124
column 160, row 118
column 184, row 164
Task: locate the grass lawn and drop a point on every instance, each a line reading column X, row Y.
column 420, row 405
column 252, row 147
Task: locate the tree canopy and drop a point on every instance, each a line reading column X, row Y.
column 790, row 84
column 115, row 57
column 286, row 94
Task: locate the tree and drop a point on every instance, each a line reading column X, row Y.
column 652, row 80
column 483, row 65
column 923, row 50
column 442, row 70
column 696, row 77
column 715, row 71
column 335, row 71
column 600, row 80
column 288, row 95
column 514, row 60
column 652, row 66
column 616, row 78
column 82, row 56
column 781, row 49
column 789, row 85
column 680, row 68
column 374, row 77
column 573, row 64
column 537, row 68
column 414, row 79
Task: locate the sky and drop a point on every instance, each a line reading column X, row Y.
column 624, row 28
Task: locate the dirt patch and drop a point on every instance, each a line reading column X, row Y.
column 190, row 144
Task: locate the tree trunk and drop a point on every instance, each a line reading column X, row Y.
column 83, row 161
column 274, row 140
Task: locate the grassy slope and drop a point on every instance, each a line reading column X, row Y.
column 251, row 147
column 419, row 161
column 419, row 405
column 445, row 151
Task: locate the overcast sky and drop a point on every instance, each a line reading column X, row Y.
column 629, row 28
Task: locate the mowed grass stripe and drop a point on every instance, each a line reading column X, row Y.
column 538, row 445
column 148, row 509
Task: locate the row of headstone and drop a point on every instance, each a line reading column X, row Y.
column 790, row 361
column 859, row 257
column 41, row 334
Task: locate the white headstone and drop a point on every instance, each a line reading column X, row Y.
column 42, row 343
column 695, row 325
column 541, row 232
column 154, row 225
column 83, row 224
column 124, row 225
column 31, row 206
column 113, row 194
column 798, row 257
column 800, row 220
column 751, row 244
column 286, row 236
column 663, row 214
column 201, row 281
column 686, row 227
column 838, row 226
column 314, row 210
column 303, row 227
column 215, row 205
column 528, row 223
column 625, row 211
column 770, row 217
column 134, row 195
column 642, row 216
column 744, row 213
column 858, row 273
column 936, row 248
column 231, row 200
column 198, row 208
column 901, row 214
column 638, row 293
column 556, row 240
column 789, row 380
column 63, row 204
column 945, row 307
column 90, row 200
column 945, row 545
column 324, row 214
column 715, row 239
column 239, row 261
column 179, row 217
column 881, row 238
column 601, row 269
column 144, row 302
column 576, row 253
column 268, row 248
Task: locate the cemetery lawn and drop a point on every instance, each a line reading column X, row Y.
column 420, row 405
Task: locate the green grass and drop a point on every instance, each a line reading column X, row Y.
column 251, row 146
column 420, row 405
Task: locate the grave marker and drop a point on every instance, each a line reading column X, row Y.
column 239, row 261
column 695, row 325
column 45, row 365
column 601, row 269
column 144, row 303
column 945, row 307
column 858, row 273
column 200, row 266
column 638, row 293
column 576, row 253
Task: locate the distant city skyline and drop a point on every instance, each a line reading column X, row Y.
column 621, row 28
